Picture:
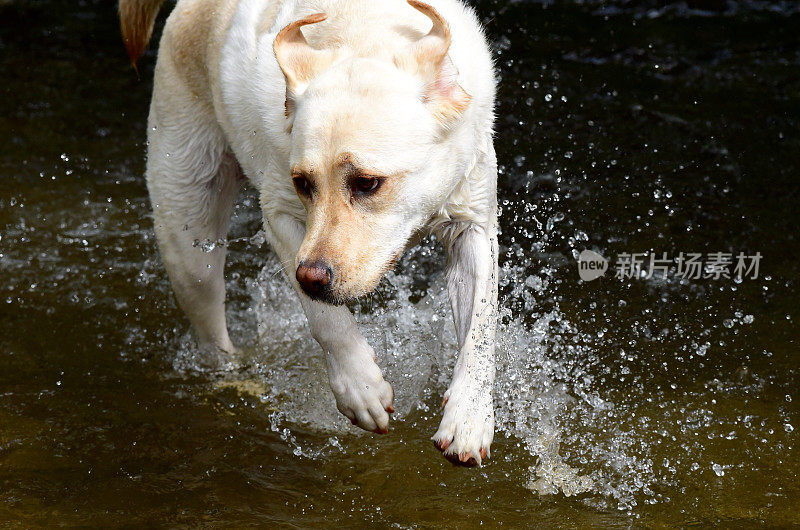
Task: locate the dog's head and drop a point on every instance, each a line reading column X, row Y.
column 364, row 157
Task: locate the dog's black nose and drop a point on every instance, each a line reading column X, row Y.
column 314, row 277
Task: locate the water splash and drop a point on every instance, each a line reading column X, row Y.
column 544, row 395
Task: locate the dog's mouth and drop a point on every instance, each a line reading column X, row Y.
column 331, row 297
column 392, row 262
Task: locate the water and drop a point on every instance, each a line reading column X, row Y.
column 623, row 127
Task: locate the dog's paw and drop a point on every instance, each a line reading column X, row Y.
column 360, row 390
column 467, row 427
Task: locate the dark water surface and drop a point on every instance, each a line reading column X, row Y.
column 623, row 127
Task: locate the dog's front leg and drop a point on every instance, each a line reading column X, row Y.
column 467, row 427
column 356, row 381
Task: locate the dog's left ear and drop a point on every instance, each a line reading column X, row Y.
column 428, row 59
column 298, row 60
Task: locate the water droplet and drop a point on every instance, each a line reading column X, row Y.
column 258, row 238
column 552, row 221
column 207, row 245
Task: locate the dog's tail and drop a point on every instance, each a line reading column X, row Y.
column 137, row 18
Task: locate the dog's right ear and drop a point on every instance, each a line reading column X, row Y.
column 298, row 61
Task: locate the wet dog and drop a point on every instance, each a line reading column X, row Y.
column 362, row 124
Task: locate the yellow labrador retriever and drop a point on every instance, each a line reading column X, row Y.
column 363, row 124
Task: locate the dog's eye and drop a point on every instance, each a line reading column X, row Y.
column 364, row 185
column 302, row 185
